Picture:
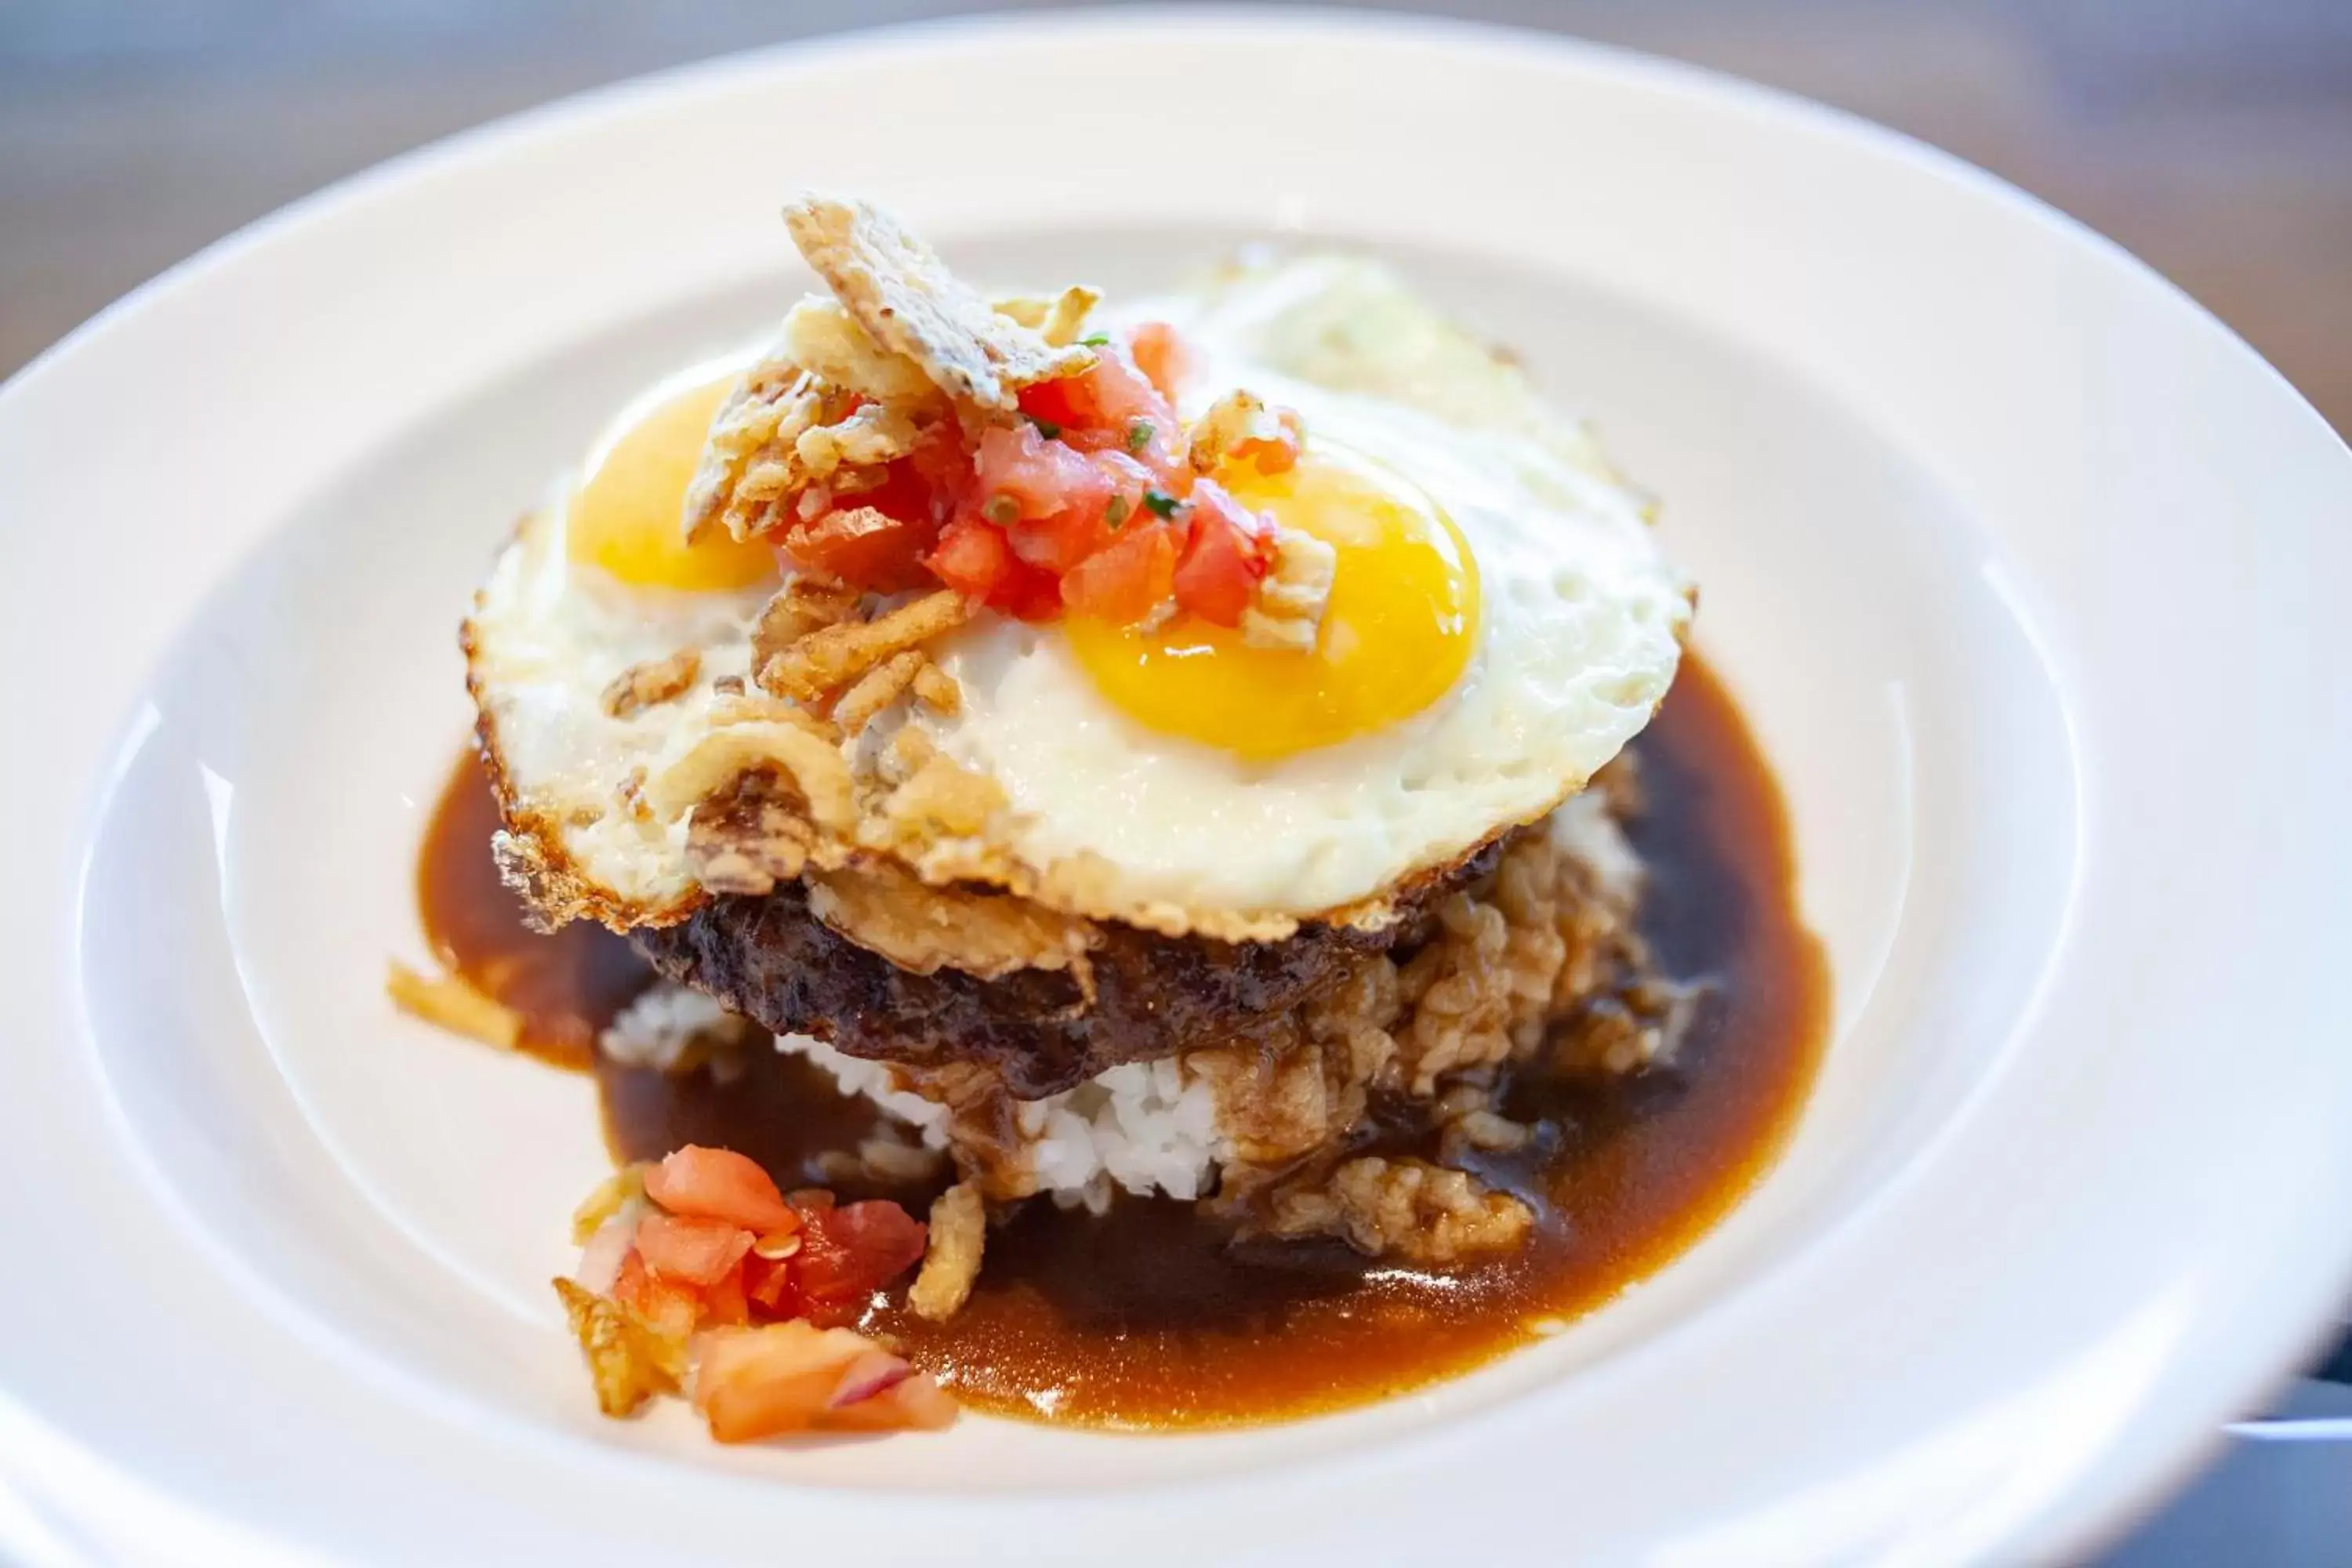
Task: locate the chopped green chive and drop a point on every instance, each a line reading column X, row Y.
column 1161, row 502
column 1002, row 509
column 1115, row 513
column 1094, row 339
column 1046, row 428
column 1139, row 435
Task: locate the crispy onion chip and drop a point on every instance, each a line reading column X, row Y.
column 902, row 294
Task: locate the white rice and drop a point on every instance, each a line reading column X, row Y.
column 1582, row 827
column 656, row 1030
column 1142, row 1127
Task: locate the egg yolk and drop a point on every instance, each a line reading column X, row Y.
column 624, row 517
column 1398, row 632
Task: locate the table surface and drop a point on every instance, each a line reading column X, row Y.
column 2211, row 137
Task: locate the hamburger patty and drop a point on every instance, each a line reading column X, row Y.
column 772, row 960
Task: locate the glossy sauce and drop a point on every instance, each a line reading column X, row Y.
column 1150, row 1318
column 566, row 985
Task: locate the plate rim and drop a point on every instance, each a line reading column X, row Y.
column 555, row 119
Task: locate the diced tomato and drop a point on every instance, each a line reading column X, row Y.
column 908, row 492
column 719, row 1183
column 1054, row 504
column 1012, row 521
column 876, row 539
column 792, row 1377
column 940, row 463
column 1222, row 560
column 758, row 1382
column 1121, row 582
column 1110, row 396
column 875, row 1373
column 973, row 558
column 724, row 1301
column 768, row 1286
column 1091, row 522
column 1030, row 593
column 886, row 1238
column 1037, row 476
column 1055, row 545
column 1160, row 354
column 1276, row 454
column 977, row 559
column 1130, row 476
column 1154, row 458
column 849, row 1253
column 882, row 1392
column 1123, row 394
column 697, row 1252
column 1126, row 395
column 1144, row 423
column 1067, row 403
column 1052, row 545
column 862, row 547
column 631, row 1280
column 825, row 1275
column 670, row 1306
column 914, row 1403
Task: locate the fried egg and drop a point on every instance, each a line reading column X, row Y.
column 596, row 581
column 1501, row 622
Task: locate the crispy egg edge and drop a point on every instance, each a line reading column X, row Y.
column 557, row 889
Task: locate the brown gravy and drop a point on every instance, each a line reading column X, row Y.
column 566, row 985
column 1147, row 1318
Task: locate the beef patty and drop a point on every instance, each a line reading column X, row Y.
column 772, row 960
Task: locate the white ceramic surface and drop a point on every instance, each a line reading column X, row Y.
column 2022, row 565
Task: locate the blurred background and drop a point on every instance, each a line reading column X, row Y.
column 2213, row 137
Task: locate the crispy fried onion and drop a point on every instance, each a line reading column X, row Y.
column 822, row 339
column 655, row 681
column 749, row 476
column 877, row 688
column 936, row 689
column 629, row 1360
column 758, row 825
column 1058, row 320
column 941, row 799
column 802, row 606
column 902, row 294
column 1406, row 1208
column 958, row 1233
column 823, row 662
column 797, row 753
column 1240, row 424
column 751, row 834
column 873, row 435
column 452, row 1002
column 922, row 929
column 786, row 442
column 807, row 671
column 1291, row 598
column 769, row 793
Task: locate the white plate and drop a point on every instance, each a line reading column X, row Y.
column 2025, row 569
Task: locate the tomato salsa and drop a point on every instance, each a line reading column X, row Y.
column 1091, row 504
